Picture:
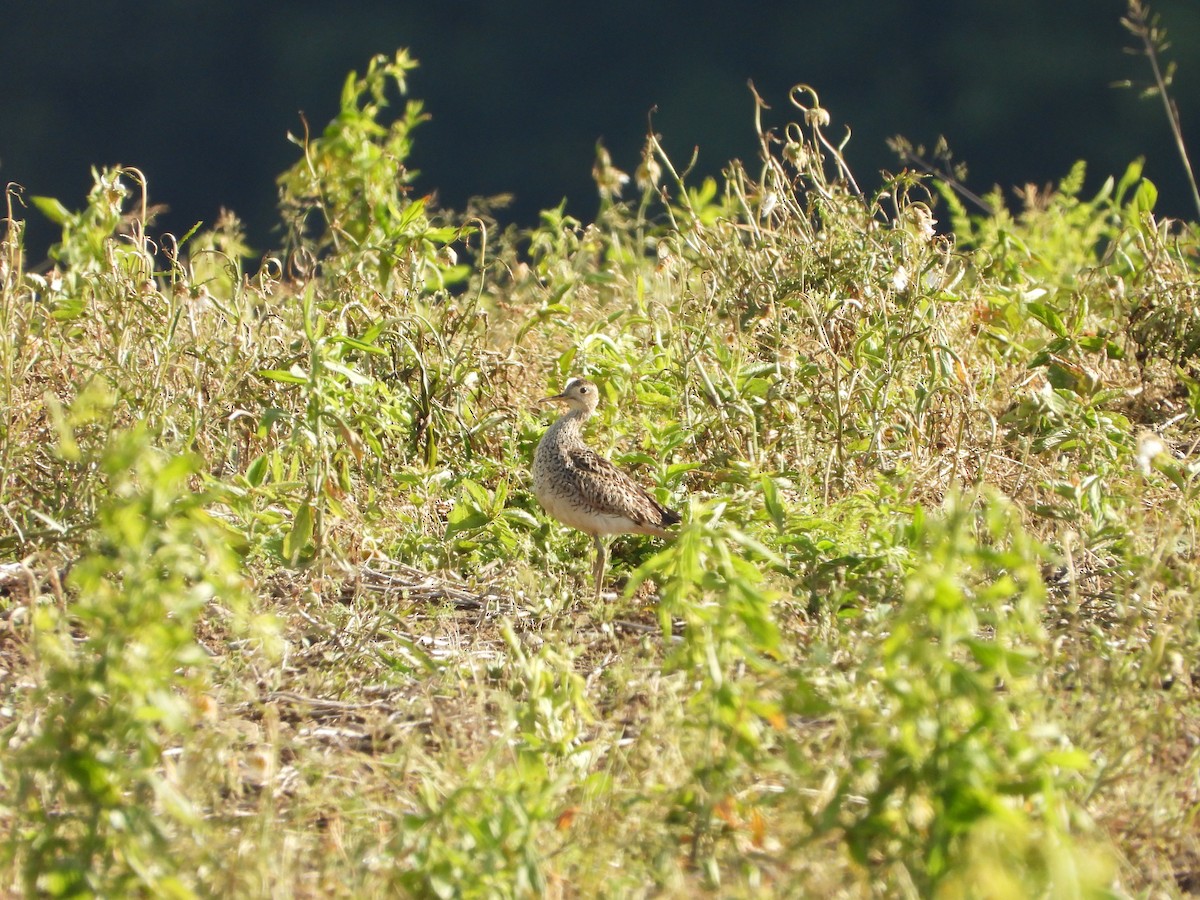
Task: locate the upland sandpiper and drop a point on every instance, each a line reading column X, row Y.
column 582, row 489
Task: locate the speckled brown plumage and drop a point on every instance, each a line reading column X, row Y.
column 584, row 490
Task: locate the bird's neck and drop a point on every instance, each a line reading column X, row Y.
column 572, row 422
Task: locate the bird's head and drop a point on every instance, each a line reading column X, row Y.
column 579, row 394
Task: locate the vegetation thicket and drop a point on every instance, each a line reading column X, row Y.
column 281, row 616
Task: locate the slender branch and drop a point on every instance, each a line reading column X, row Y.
column 1145, row 28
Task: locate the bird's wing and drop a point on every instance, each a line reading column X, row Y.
column 611, row 492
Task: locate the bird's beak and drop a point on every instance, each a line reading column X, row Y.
column 553, row 399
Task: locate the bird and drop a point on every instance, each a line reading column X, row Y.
column 585, row 491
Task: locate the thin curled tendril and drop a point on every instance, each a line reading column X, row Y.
column 804, row 98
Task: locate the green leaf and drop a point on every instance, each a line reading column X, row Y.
column 1095, row 343
column 524, row 517
column 1074, row 759
column 674, row 470
column 462, row 519
column 270, row 416
column 410, row 214
column 477, row 494
column 295, row 376
column 350, row 92
column 359, row 344
column 993, row 657
column 301, row 533
column 52, row 524
column 52, row 209
column 1048, row 317
column 256, row 472
column 353, row 376
column 754, row 546
column 1131, row 177
column 443, row 235
column 1145, row 197
column 411, row 657
column 771, row 501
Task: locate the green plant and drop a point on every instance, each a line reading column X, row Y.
column 118, row 668
column 354, row 180
column 87, row 244
column 727, row 629
column 956, row 742
column 482, row 838
column 311, row 471
column 484, row 525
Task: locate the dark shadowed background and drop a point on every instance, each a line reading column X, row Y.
column 200, row 96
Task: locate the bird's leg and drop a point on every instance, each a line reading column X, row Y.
column 601, row 562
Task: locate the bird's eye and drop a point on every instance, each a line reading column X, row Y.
column 583, row 389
